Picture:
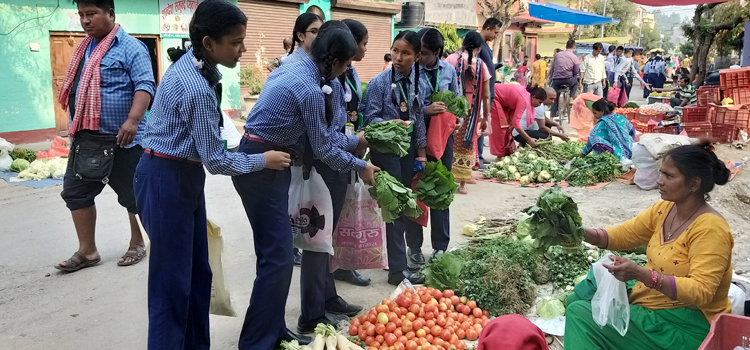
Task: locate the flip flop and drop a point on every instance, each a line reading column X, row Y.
column 136, row 253
column 77, row 262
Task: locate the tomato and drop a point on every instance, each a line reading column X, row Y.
column 421, row 333
column 410, row 316
column 380, row 328
column 471, row 304
column 461, row 346
column 437, row 294
column 411, row 345
column 486, row 313
column 417, row 324
column 453, row 316
column 403, row 301
column 441, row 321
column 442, row 307
column 380, row 339
column 477, row 313
column 425, row 298
column 453, row 340
column 455, row 300
column 430, row 323
column 430, row 338
column 382, row 318
column 429, row 315
column 430, row 308
column 390, row 339
column 410, row 335
column 421, row 313
column 369, row 340
column 471, row 334
column 435, row 330
column 381, row 308
column 461, row 333
column 448, row 293
column 400, row 345
column 438, row 342
column 353, row 330
column 445, row 335
column 370, row 330
column 375, row 344
column 466, row 310
column 362, row 319
column 404, row 310
column 390, row 327
column 460, row 307
column 401, row 339
column 414, row 308
column 398, row 332
column 484, row 322
column 372, row 318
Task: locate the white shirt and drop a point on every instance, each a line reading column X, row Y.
column 627, row 68
column 229, row 132
column 539, row 114
column 592, row 69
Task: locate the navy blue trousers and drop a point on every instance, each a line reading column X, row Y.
column 648, row 78
column 403, row 170
column 171, row 204
column 440, row 225
column 316, row 280
column 265, row 196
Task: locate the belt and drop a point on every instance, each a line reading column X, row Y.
column 255, row 138
column 166, row 156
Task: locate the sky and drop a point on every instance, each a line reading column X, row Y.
column 686, row 11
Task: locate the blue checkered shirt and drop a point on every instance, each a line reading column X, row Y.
column 294, row 57
column 125, row 69
column 184, row 121
column 378, row 105
column 291, row 110
column 448, row 81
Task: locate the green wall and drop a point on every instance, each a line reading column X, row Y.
column 27, row 101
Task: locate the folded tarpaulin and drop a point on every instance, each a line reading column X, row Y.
column 562, row 14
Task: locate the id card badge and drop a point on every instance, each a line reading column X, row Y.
column 226, row 148
column 349, row 129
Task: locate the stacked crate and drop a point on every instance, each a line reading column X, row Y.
column 706, row 95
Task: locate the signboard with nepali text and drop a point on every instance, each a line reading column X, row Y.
column 174, row 17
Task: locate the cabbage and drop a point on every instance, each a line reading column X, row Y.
column 43, row 169
column 19, row 165
column 550, row 307
column 580, row 278
column 522, row 229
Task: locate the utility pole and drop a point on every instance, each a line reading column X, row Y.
column 640, row 33
column 605, row 15
column 580, row 28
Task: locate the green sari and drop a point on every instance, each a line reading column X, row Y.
column 666, row 329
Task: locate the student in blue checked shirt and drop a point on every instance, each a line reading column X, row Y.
column 394, row 95
column 182, row 136
column 294, row 113
column 435, row 75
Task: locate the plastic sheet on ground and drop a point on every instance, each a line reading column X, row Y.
column 553, row 326
column 11, row 178
column 549, row 184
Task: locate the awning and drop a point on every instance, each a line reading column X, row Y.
column 562, row 14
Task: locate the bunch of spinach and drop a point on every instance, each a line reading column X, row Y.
column 555, row 220
column 23, row 153
column 388, row 137
column 592, row 169
column 565, row 265
column 444, row 271
column 438, row 186
column 393, row 197
column 458, row 106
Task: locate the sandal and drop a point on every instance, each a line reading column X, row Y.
column 135, row 253
column 77, row 262
column 463, row 191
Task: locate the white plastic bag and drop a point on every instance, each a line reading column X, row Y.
column 646, row 168
column 737, row 297
column 311, row 212
column 610, row 304
column 221, row 303
column 5, row 160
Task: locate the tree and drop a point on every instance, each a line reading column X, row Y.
column 452, row 42
column 730, row 40
column 709, row 20
column 650, row 38
column 687, row 49
column 504, row 10
column 623, row 10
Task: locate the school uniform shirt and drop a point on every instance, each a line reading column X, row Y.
column 611, row 62
column 379, row 106
column 290, row 112
column 627, row 68
column 184, row 120
column 294, row 57
column 444, row 74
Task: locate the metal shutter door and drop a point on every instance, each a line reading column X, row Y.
column 268, row 23
column 379, row 30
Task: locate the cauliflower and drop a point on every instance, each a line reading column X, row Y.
column 524, row 180
column 506, row 160
column 545, row 175
column 469, row 229
column 512, row 169
column 532, row 156
column 517, row 176
column 531, row 176
column 42, row 169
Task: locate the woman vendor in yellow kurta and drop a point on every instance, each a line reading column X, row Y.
column 686, row 280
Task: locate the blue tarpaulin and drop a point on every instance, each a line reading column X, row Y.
column 562, row 14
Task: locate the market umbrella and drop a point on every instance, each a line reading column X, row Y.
column 656, row 50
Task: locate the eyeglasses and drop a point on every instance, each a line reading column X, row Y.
column 312, row 31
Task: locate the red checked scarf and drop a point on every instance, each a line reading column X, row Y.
column 88, row 98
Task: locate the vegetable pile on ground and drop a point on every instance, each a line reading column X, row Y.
column 19, row 165
column 490, row 228
column 656, row 107
column 554, row 220
column 429, row 318
column 525, row 166
column 23, row 153
column 458, row 106
column 564, row 266
column 393, row 197
column 438, row 186
column 388, row 137
column 593, row 169
column 631, row 105
column 43, row 168
column 326, row 338
column 562, row 152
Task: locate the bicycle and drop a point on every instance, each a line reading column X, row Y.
column 563, row 104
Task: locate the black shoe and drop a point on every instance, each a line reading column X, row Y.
column 435, row 253
column 351, row 277
column 415, row 256
column 339, row 306
column 289, row 336
column 297, row 257
column 413, row 277
column 307, row 327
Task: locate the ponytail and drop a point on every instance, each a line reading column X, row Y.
column 603, row 105
column 700, row 161
column 175, row 53
column 300, row 26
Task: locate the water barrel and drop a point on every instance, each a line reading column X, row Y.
column 412, row 14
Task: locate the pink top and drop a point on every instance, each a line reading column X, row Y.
column 515, row 98
column 469, row 85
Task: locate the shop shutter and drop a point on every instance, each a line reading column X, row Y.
column 379, row 30
column 268, row 23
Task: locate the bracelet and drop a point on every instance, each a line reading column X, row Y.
column 653, row 279
column 661, row 281
column 598, row 237
column 421, row 159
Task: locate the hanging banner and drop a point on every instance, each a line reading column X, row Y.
column 175, row 17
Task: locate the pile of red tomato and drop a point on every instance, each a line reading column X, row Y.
column 429, row 319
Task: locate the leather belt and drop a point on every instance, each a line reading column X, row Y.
column 166, row 156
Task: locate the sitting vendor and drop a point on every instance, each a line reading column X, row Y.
column 612, row 132
column 541, row 129
column 685, row 283
column 685, row 90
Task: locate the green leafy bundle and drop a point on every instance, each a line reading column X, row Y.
column 444, row 272
column 555, row 220
column 364, row 91
column 23, row 153
column 562, row 152
column 458, row 106
column 438, row 186
column 388, row 137
column 393, row 197
column 593, row 169
column 631, row 105
column 565, row 265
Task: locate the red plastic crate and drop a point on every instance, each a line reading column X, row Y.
column 739, row 118
column 672, row 130
column 697, row 130
column 694, row 114
column 640, row 126
column 644, row 118
column 724, row 133
column 708, row 94
column 726, row 332
column 741, row 96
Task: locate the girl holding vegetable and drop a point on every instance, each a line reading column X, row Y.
column 305, row 30
column 474, row 80
column 612, row 132
column 294, row 113
column 437, row 75
column 394, row 95
column 183, row 135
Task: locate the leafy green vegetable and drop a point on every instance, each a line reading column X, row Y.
column 19, row 165
column 561, row 152
column 444, row 272
column 555, row 220
column 458, row 106
column 438, row 186
column 393, row 197
column 524, row 226
column 364, row 90
column 592, row 169
column 388, row 137
column 23, row 153
column 631, row 105
column 565, row 266
column 550, row 307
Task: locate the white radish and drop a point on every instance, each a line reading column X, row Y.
column 331, row 342
column 306, row 347
column 319, row 343
column 345, row 344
